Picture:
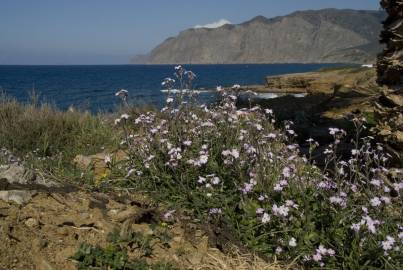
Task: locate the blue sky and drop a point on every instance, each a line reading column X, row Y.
column 111, row 31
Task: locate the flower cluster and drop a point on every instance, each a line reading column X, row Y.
column 235, row 164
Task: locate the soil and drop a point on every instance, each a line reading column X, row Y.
column 47, row 231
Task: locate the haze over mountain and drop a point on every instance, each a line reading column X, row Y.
column 313, row 36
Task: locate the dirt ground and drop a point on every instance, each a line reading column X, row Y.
column 45, row 232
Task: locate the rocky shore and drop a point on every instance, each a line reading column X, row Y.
column 330, row 98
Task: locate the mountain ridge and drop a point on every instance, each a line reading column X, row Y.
column 310, row 36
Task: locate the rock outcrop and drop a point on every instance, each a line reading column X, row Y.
column 318, row 36
column 390, row 61
column 325, row 81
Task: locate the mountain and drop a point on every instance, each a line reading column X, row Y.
column 313, row 36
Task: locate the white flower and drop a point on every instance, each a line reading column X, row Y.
column 203, row 159
column 124, row 116
column 317, row 257
column 388, row 243
column 259, row 211
column 215, row 180
column 259, row 127
column 187, row 143
column 170, row 100
column 280, row 211
column 376, row 182
column 215, row 211
column 355, row 152
column 286, row 172
column 265, row 218
column 235, row 153
column 121, row 93
column 333, row 131
column 375, row 202
column 292, row 242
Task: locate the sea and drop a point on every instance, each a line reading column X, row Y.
column 93, row 88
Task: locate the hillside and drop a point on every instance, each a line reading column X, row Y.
column 315, row 36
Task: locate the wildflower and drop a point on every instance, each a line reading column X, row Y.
column 247, row 188
column 201, row 180
column 265, row 218
column 356, row 226
column 168, row 82
column 279, row 250
column 262, row 198
column 215, row 180
column 170, row 100
column 292, row 242
column 121, row 92
column 355, row 152
column 333, row 131
column 291, row 204
column 286, row 172
column 376, row 182
column 388, row 243
column 215, row 211
column 203, row 159
column 268, row 111
column 340, row 200
column 271, row 136
column 259, row 127
column 371, row 223
column 236, row 87
column 124, row 116
column 375, row 202
column 317, row 257
column 187, row 143
column 280, row 211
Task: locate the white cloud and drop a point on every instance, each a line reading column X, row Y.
column 214, row 24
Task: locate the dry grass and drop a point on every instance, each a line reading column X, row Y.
column 215, row 260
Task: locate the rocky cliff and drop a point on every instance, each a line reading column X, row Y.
column 390, row 61
column 328, row 35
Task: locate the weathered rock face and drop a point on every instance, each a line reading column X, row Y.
column 325, row 81
column 328, row 35
column 390, row 62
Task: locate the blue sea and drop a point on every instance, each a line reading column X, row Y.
column 93, row 87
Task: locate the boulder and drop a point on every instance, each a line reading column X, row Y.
column 17, row 196
column 17, row 174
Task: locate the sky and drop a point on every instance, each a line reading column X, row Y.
column 113, row 31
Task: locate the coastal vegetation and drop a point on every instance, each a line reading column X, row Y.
column 236, row 173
